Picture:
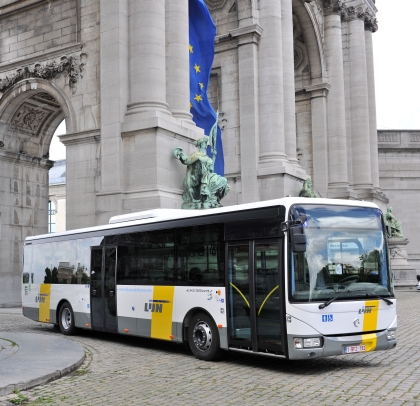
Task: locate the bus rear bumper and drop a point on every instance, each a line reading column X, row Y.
column 343, row 345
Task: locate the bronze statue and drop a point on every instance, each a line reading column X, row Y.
column 393, row 227
column 307, row 190
column 203, row 189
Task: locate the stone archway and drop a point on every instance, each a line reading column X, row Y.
column 30, row 111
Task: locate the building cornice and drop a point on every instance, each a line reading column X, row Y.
column 82, row 137
column 38, row 57
column 24, row 159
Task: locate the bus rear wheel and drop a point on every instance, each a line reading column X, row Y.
column 66, row 319
column 203, row 337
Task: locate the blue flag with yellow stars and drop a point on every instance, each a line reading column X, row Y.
column 202, row 33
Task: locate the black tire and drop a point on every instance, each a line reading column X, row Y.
column 203, row 337
column 66, row 319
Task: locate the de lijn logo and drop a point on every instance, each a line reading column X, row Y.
column 155, row 306
column 366, row 309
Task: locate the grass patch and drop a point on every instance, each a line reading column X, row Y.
column 11, row 342
column 20, row 397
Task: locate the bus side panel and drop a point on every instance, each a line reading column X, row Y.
column 30, row 302
column 159, row 311
column 211, row 299
column 79, row 298
column 134, row 315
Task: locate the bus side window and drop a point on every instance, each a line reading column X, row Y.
column 200, row 252
column 42, row 263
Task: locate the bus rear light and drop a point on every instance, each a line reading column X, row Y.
column 126, row 330
column 171, row 337
column 220, row 325
column 87, row 325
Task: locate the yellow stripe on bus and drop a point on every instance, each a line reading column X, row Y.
column 163, row 303
column 370, row 322
column 44, row 302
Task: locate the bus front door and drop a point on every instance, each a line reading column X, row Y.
column 255, row 303
column 103, row 301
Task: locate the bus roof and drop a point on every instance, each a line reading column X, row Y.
column 162, row 215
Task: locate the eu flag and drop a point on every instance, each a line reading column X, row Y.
column 202, row 33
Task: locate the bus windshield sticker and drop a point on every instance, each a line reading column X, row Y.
column 326, row 318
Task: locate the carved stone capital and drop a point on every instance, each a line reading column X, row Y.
column 353, row 13
column 371, row 23
column 333, row 7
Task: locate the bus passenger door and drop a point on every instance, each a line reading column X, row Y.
column 256, row 318
column 103, row 301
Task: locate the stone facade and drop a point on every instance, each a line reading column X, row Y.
column 399, row 168
column 293, row 81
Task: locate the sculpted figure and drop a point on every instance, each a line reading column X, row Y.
column 307, row 190
column 393, row 227
column 203, row 189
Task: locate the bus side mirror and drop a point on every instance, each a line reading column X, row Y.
column 297, row 239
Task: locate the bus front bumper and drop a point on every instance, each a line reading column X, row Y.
column 344, row 345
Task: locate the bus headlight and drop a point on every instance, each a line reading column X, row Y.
column 312, row 342
column 391, row 335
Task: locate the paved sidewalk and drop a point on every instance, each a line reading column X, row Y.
column 123, row 370
column 28, row 359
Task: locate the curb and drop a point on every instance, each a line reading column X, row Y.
column 7, row 390
column 38, row 377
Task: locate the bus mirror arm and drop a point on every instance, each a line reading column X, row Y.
column 286, row 225
column 296, row 233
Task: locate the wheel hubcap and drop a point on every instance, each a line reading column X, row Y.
column 202, row 336
column 66, row 319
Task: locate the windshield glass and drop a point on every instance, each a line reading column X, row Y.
column 345, row 251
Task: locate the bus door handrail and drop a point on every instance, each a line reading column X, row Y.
column 266, row 298
column 243, row 297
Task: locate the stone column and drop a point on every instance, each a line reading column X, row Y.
column 114, row 97
column 288, row 81
column 147, row 65
column 177, row 59
column 370, row 27
column 248, row 108
column 336, row 117
column 271, row 97
column 359, row 105
column 319, row 136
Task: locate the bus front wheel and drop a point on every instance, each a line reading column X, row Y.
column 66, row 319
column 203, row 337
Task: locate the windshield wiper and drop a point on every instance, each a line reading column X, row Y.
column 327, row 303
column 388, row 302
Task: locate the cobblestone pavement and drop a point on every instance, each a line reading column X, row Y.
column 121, row 370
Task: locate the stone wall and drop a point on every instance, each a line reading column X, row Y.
column 399, row 171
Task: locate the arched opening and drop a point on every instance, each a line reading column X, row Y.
column 30, row 112
column 57, row 177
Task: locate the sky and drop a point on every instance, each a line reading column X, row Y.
column 397, row 64
column 396, row 47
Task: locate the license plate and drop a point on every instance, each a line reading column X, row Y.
column 355, row 348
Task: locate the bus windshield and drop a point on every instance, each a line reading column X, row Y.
column 345, row 253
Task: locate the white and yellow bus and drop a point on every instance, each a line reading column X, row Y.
column 295, row 277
